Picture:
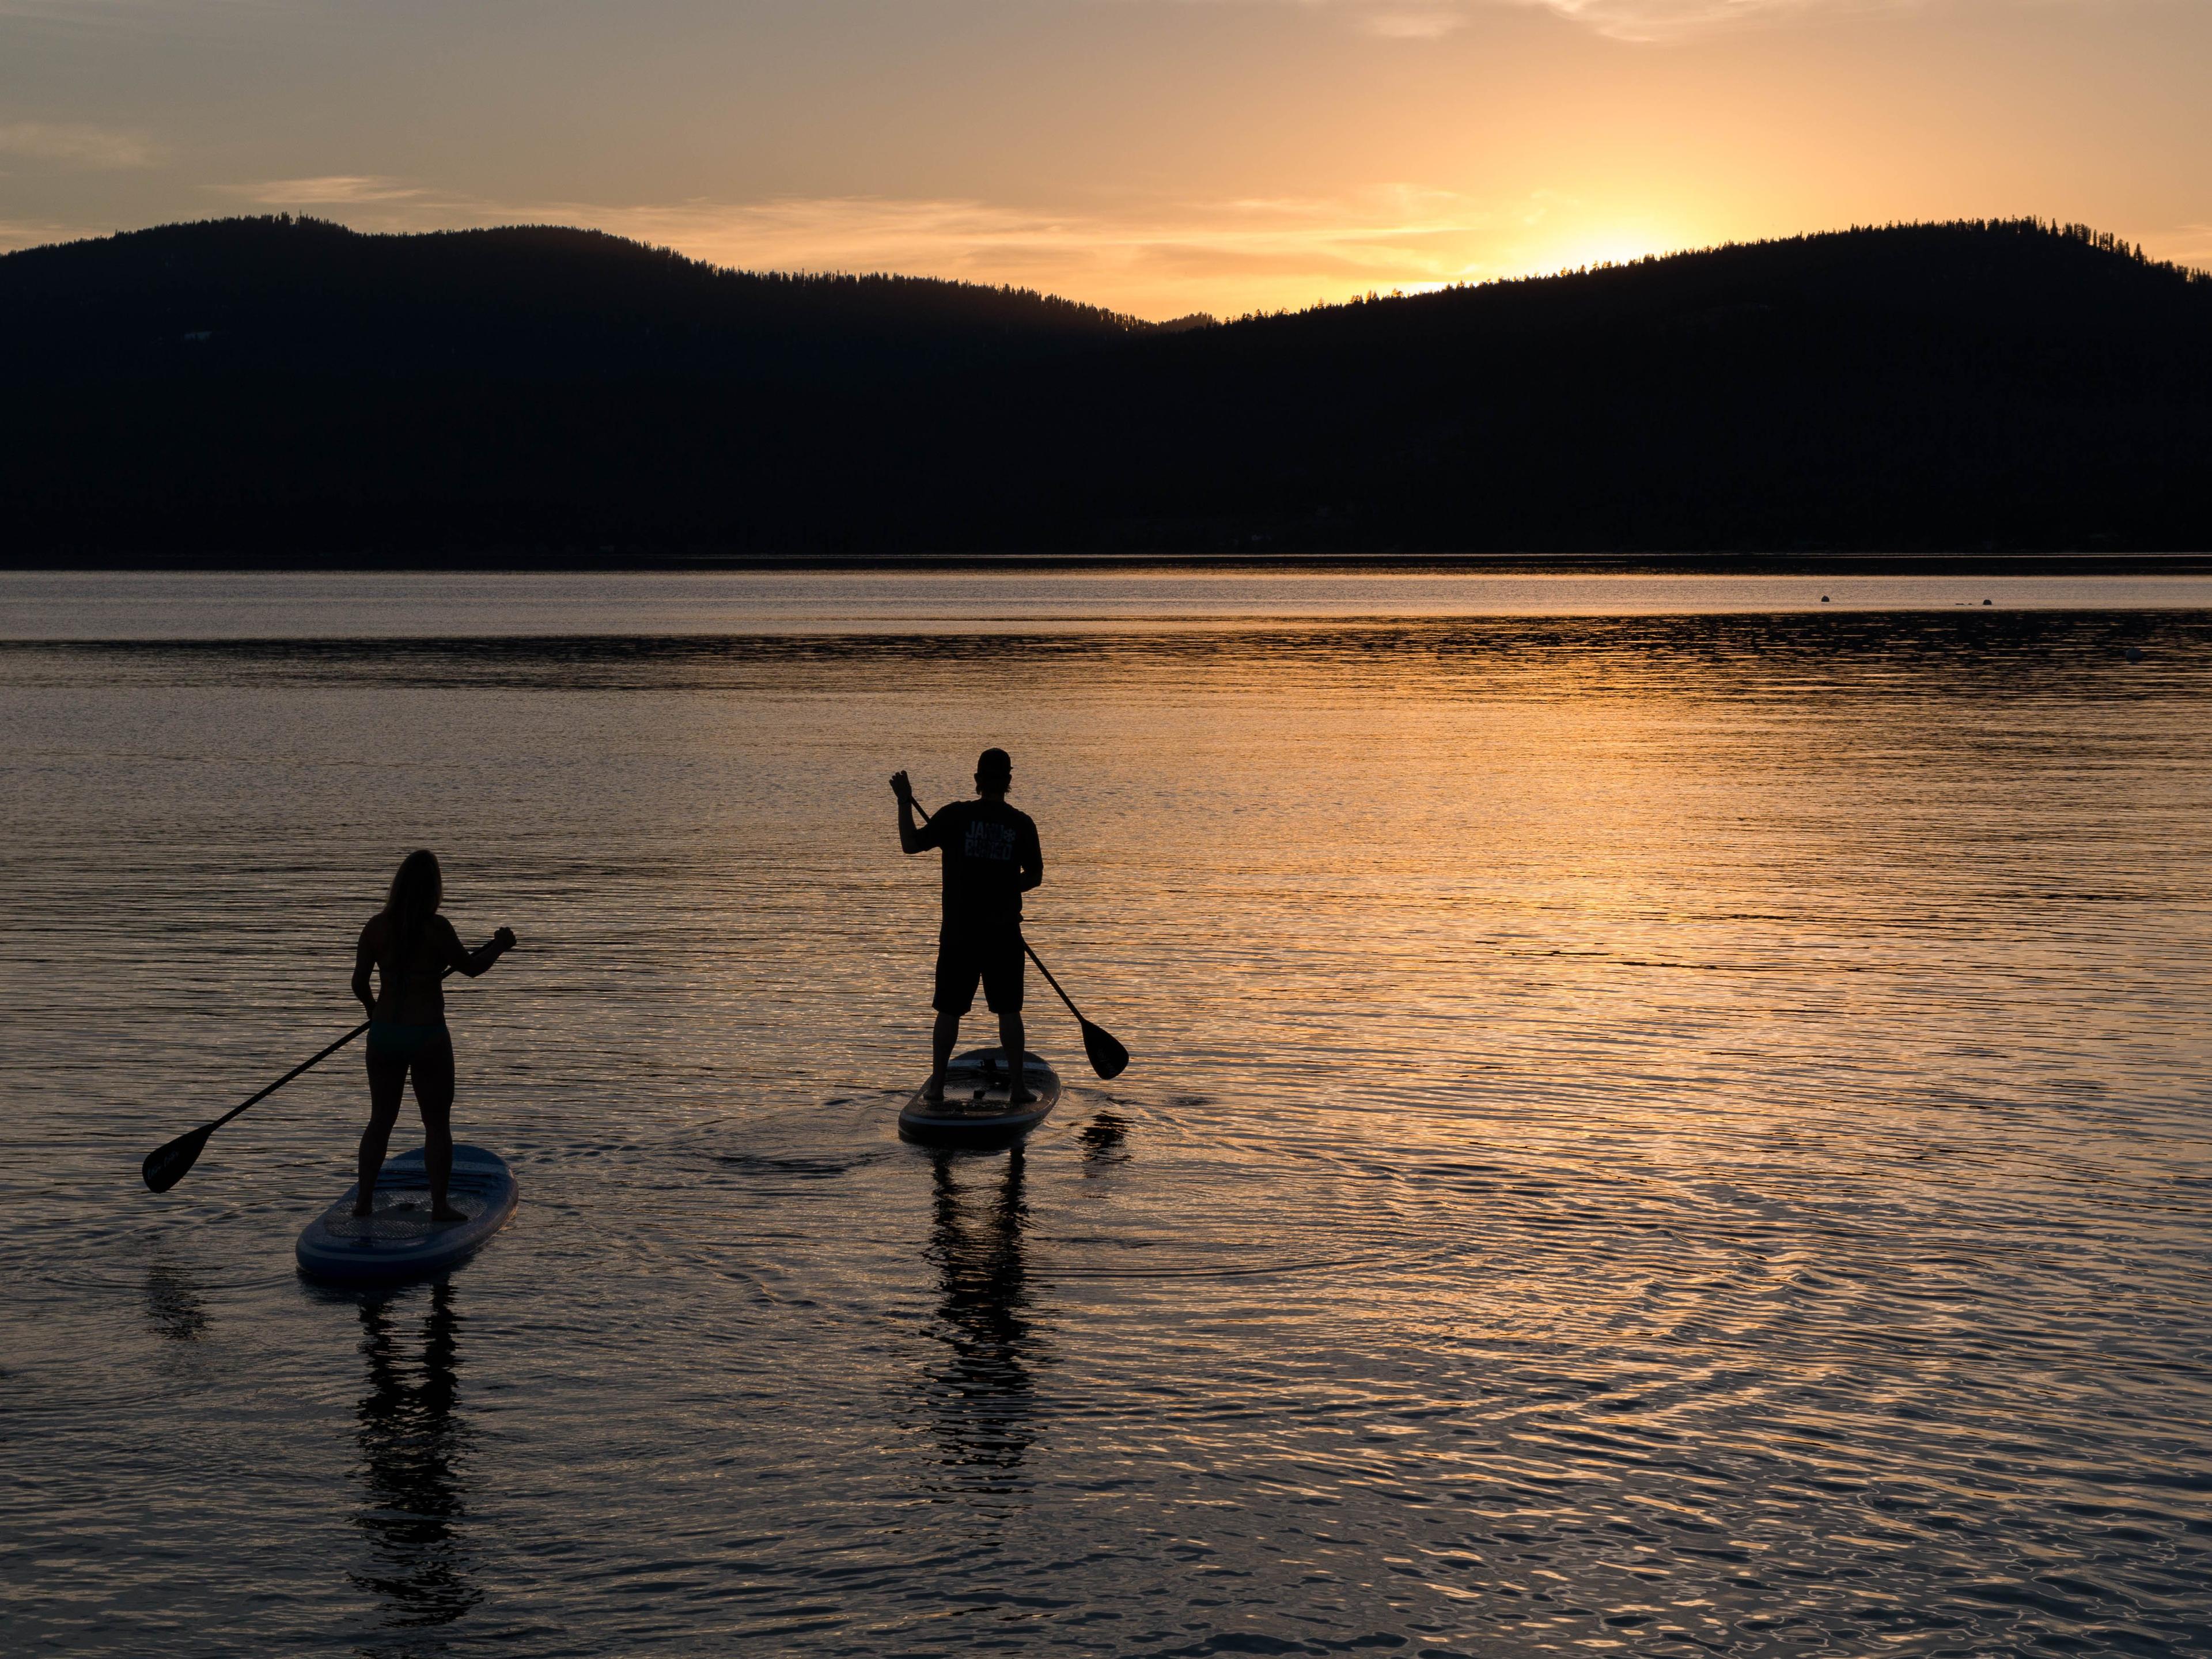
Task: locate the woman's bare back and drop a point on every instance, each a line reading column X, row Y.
column 408, row 992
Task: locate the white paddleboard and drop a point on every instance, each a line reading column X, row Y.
column 975, row 1110
column 400, row 1241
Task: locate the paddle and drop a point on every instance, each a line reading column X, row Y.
column 1108, row 1057
column 165, row 1166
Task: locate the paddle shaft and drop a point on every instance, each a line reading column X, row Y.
column 307, row 1065
column 926, row 816
column 170, row 1162
column 303, row 1065
column 1054, row 983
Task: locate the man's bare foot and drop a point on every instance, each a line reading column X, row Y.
column 364, row 1208
column 1019, row 1096
column 934, row 1091
column 447, row 1212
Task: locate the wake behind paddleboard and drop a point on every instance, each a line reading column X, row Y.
column 400, row 1241
column 975, row 1111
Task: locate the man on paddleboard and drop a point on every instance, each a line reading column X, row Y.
column 991, row 859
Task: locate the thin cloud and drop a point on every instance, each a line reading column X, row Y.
column 1622, row 19
column 1390, row 235
column 1151, row 256
column 1155, row 258
column 331, row 190
column 74, row 143
column 114, row 19
column 1432, row 25
column 40, row 232
column 1653, row 19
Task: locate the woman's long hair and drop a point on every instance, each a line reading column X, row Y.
column 416, row 892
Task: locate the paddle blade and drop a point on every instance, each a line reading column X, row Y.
column 1108, row 1058
column 165, row 1166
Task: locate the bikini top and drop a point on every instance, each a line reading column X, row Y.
column 424, row 970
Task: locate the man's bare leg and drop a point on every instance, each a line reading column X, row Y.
column 1015, row 1040
column 942, row 1036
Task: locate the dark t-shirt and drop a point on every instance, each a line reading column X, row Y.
column 987, row 846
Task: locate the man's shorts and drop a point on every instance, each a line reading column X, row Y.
column 963, row 958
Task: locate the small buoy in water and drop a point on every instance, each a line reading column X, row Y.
column 2135, row 654
column 1988, row 601
column 1824, row 599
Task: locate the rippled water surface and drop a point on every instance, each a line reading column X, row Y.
column 1679, row 1130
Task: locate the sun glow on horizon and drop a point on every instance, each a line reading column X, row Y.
column 1155, row 159
column 1158, row 259
column 1608, row 248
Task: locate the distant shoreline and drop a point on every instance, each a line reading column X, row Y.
column 1525, row 564
column 1977, row 398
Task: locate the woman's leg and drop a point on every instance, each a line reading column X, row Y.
column 434, row 1095
column 387, row 1080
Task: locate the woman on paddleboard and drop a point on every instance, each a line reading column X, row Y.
column 412, row 948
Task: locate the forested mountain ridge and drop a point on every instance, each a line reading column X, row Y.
column 286, row 296
column 273, row 388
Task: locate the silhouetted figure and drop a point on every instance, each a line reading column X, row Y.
column 410, row 946
column 991, row 859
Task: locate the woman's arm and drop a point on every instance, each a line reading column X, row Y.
column 364, row 958
column 479, row 961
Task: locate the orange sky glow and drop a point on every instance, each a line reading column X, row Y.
column 1157, row 156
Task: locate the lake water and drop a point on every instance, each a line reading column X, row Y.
column 1667, row 1118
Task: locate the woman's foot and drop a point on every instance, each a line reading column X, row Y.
column 363, row 1208
column 447, row 1212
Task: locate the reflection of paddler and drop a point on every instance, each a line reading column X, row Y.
column 982, row 1396
column 991, row 859
column 411, row 1440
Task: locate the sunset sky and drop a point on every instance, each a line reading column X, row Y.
column 1159, row 156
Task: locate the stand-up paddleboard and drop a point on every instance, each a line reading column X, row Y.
column 975, row 1111
column 400, row 1241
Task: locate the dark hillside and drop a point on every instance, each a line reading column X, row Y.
column 1916, row 387
column 300, row 297
column 283, row 389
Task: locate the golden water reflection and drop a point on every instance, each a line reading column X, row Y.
column 1644, row 1131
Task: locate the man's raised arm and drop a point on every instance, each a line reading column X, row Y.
column 910, row 839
